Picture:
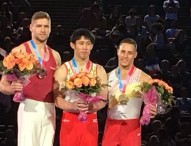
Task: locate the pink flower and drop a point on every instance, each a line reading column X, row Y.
column 150, row 98
column 145, row 119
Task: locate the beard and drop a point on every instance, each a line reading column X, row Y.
column 41, row 39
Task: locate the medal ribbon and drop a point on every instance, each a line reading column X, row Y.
column 40, row 59
column 123, row 85
column 74, row 64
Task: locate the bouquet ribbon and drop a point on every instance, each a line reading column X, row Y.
column 18, row 96
column 150, row 98
column 89, row 99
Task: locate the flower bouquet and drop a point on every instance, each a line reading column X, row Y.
column 156, row 92
column 19, row 66
column 85, row 86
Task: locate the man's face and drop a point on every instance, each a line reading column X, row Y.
column 126, row 54
column 40, row 29
column 82, row 48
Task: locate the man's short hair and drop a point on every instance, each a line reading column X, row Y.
column 78, row 33
column 128, row 41
column 40, row 15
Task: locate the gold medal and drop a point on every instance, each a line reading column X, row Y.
column 123, row 99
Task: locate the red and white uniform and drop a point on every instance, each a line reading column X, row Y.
column 36, row 114
column 122, row 124
column 74, row 132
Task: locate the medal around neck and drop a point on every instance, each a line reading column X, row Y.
column 41, row 73
column 123, row 99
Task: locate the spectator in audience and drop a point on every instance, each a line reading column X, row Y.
column 19, row 19
column 66, row 56
column 181, row 43
column 151, row 17
column 131, row 18
column 157, row 35
column 8, row 44
column 59, row 39
column 21, row 5
column 10, row 139
column 88, row 18
column 114, row 16
column 23, row 32
column 165, row 70
column 111, row 64
column 171, row 32
column 164, row 138
column 172, row 123
column 5, row 100
column 174, row 80
column 183, row 101
column 140, row 63
column 151, row 59
column 171, row 8
column 5, row 10
column 140, row 34
column 153, row 141
column 183, row 73
column 101, row 22
column 118, row 33
column 183, row 138
column 156, row 125
column 3, row 26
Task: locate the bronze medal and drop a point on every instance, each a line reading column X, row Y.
column 123, row 99
column 41, row 74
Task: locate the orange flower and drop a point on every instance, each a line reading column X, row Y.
column 9, row 61
column 93, row 82
column 31, row 58
column 156, row 80
column 160, row 83
column 90, row 76
column 73, row 77
column 85, row 80
column 21, row 61
column 166, row 94
column 79, row 75
column 25, row 64
column 70, row 85
column 151, row 81
column 18, row 60
column 20, row 55
column 169, row 89
column 78, row 82
column 29, row 66
column 165, row 85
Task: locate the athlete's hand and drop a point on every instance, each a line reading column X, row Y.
column 153, row 110
column 16, row 87
column 80, row 105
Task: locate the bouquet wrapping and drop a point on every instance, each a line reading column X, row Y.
column 84, row 86
column 156, row 92
column 19, row 66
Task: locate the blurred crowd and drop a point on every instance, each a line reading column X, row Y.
column 164, row 52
